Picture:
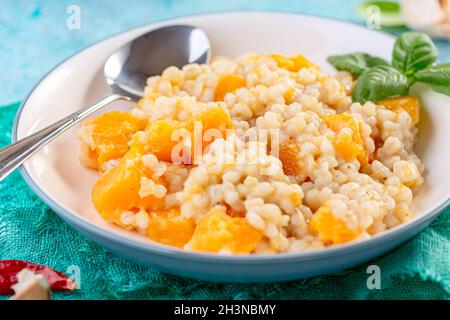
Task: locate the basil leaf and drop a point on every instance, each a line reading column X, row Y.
column 412, row 52
column 390, row 13
column 437, row 76
column 355, row 63
column 379, row 83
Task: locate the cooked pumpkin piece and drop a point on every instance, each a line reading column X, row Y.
column 330, row 229
column 409, row 104
column 218, row 232
column 169, row 227
column 294, row 63
column 289, row 156
column 118, row 189
column 300, row 61
column 228, row 83
column 156, row 139
column 348, row 147
column 109, row 135
column 211, row 119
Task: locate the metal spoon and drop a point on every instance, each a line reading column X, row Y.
column 126, row 72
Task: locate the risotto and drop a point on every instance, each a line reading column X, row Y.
column 261, row 154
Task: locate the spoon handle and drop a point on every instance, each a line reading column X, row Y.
column 15, row 154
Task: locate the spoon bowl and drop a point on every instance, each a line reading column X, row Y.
column 127, row 70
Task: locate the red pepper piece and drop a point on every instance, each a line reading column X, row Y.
column 9, row 269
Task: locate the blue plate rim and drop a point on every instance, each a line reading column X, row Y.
column 154, row 248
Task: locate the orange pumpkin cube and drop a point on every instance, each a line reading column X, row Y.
column 294, row 63
column 216, row 231
column 289, row 156
column 118, row 189
column 228, row 83
column 169, row 227
column 156, row 139
column 409, row 104
column 300, row 61
column 348, row 147
column 330, row 229
column 211, row 119
column 110, row 134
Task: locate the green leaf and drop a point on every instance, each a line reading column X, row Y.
column 437, row 76
column 390, row 14
column 355, row 63
column 412, row 52
column 379, row 83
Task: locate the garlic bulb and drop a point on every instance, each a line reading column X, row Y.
column 430, row 16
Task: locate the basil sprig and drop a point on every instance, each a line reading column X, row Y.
column 413, row 60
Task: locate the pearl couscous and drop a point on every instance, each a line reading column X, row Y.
column 261, row 154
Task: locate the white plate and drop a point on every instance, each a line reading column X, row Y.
column 56, row 175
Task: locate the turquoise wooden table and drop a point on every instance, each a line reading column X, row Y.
column 34, row 37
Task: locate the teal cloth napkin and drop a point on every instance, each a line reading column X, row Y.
column 29, row 230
